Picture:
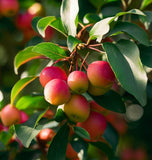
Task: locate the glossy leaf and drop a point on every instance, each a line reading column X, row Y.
column 72, row 42
column 125, row 62
column 104, row 148
column 57, row 149
column 24, row 56
column 43, row 23
column 80, row 146
column 146, row 55
column 81, row 132
column 145, row 3
column 111, row 101
column 50, row 50
column 100, row 29
column 29, row 103
column 34, row 23
column 69, row 11
column 60, row 115
column 133, row 30
column 19, row 86
column 57, row 24
column 111, row 136
column 91, row 18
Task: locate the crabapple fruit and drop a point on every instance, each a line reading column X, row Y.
column 78, row 82
column 77, row 108
column 52, row 72
column 9, row 8
column 56, row 92
column 45, row 135
column 100, row 74
column 10, row 115
column 95, row 125
column 24, row 117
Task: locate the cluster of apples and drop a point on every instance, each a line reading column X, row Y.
column 66, row 91
column 23, row 18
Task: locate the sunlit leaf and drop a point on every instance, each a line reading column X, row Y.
column 69, row 11
column 125, row 62
column 145, row 3
column 19, row 86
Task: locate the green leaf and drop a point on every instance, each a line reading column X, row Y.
column 133, row 30
column 115, row 104
column 145, row 3
column 81, row 132
column 27, row 132
column 91, row 18
column 34, row 23
column 5, row 137
column 2, row 146
column 57, row 24
column 24, row 56
column 125, row 62
column 57, row 149
column 29, row 103
column 72, row 42
column 43, row 23
column 19, row 85
column 60, row 115
column 100, row 29
column 50, row 50
column 111, row 136
column 104, row 148
column 80, row 146
column 146, row 55
column 69, row 11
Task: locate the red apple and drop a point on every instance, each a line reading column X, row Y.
column 49, row 33
column 100, row 74
column 95, row 125
column 24, row 117
column 52, row 72
column 9, row 8
column 56, row 92
column 78, row 82
column 10, row 115
column 77, row 108
column 71, row 153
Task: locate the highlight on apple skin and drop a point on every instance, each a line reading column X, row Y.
column 77, row 108
column 10, row 115
column 52, row 72
column 56, row 92
column 78, row 82
column 95, row 125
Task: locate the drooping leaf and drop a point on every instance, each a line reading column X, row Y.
column 80, row 146
column 19, row 86
column 57, row 24
column 81, row 132
column 72, row 42
column 133, row 30
column 69, row 11
column 50, row 50
column 125, row 62
column 99, row 29
column 105, row 148
column 43, row 23
column 146, row 20
column 34, row 23
column 111, row 136
column 145, row 3
column 27, row 132
column 24, row 56
column 111, row 101
column 146, row 55
column 57, row 149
